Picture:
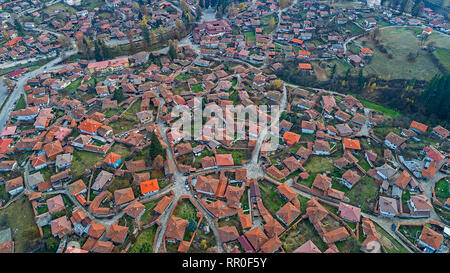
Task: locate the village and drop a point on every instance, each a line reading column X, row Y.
column 91, row 156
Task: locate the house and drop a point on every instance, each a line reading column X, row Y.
column 388, row 206
column 96, row 230
column 307, row 247
column 420, row 205
column 441, row 132
column 228, row 233
column 89, row 126
column 386, row 172
column 61, row 226
column 102, row 178
column 223, row 160
column 55, row 204
column 354, row 60
column 175, row 229
column 418, row 127
column 256, row 238
column 63, row 161
column 113, row 160
column 349, row 212
column 291, row 138
column 322, row 183
column 336, row 235
column 117, row 234
column 286, row 192
column 370, row 22
column 123, row 196
column 288, row 213
column 14, row 186
column 321, row 147
column 394, row 141
column 134, row 209
column 430, row 240
column 8, row 165
column 350, row 178
column 351, row 144
column 149, row 187
column 308, row 127
column 53, row 149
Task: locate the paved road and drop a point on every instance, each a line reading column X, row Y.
column 18, row 90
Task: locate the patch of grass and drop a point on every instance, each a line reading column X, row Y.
column 380, row 108
column 442, row 190
column 364, row 193
column 300, row 234
column 186, row 210
column 21, row 104
column 84, row 160
column 250, row 36
column 196, row 88
column 271, row 199
column 24, row 231
column 144, row 241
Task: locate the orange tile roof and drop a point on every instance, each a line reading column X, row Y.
column 291, row 138
column 304, row 66
column 366, row 51
column 419, row 126
column 112, row 158
column 89, row 125
column 351, row 144
column 224, row 160
column 149, row 186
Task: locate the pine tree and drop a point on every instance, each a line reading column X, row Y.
column 155, row 147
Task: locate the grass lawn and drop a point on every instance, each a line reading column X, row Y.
column 443, row 56
column 84, row 160
column 145, row 238
column 411, row 232
column 271, row 199
column 196, row 88
column 21, row 104
column 354, row 29
column 399, row 42
column 442, row 190
column 300, row 234
column 364, row 164
column 132, row 110
column 24, row 231
column 319, row 164
column 380, row 108
column 350, row 245
column 121, row 125
column 364, row 193
column 121, row 149
column 186, row 210
column 250, row 36
column 382, row 131
column 59, row 6
column 73, row 86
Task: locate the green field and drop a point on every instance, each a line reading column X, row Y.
column 84, row 160
column 364, row 193
column 380, row 108
column 444, row 57
column 144, row 241
column 399, row 42
column 250, row 36
column 24, row 231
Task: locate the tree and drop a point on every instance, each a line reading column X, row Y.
column 172, row 51
column 145, row 248
column 417, row 9
column 19, row 27
column 361, row 80
column 192, row 226
column 271, row 23
column 155, row 147
column 118, row 95
column 436, row 96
